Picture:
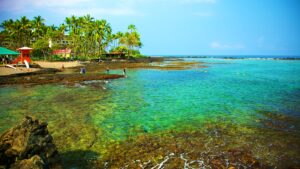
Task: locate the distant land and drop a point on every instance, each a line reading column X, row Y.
column 276, row 57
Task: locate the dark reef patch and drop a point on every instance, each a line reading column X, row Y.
column 55, row 78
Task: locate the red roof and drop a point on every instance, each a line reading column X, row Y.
column 62, row 51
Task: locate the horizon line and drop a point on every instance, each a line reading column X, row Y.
column 205, row 55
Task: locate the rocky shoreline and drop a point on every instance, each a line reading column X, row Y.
column 70, row 75
column 40, row 79
column 28, row 145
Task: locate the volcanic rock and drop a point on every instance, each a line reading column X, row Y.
column 28, row 145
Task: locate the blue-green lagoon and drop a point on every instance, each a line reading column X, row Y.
column 233, row 113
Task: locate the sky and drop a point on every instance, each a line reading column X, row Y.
column 184, row 27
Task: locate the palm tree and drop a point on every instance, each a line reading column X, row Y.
column 38, row 25
column 119, row 35
column 114, row 39
column 103, row 34
column 25, row 30
column 9, row 32
column 132, row 28
column 88, row 19
column 7, row 25
column 72, row 25
column 89, row 37
column 68, row 24
column 131, row 39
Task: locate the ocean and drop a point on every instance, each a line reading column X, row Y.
column 249, row 105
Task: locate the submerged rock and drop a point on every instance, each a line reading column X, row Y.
column 28, row 145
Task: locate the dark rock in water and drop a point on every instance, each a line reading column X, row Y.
column 279, row 121
column 56, row 78
column 34, row 162
column 28, row 145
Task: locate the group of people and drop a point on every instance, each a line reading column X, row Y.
column 6, row 60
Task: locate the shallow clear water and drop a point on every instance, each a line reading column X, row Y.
column 232, row 90
column 242, row 93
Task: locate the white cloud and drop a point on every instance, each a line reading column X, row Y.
column 23, row 5
column 98, row 11
column 93, row 7
column 217, row 45
column 56, row 3
column 76, row 7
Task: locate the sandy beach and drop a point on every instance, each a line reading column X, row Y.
column 58, row 65
column 9, row 71
column 4, row 70
column 92, row 67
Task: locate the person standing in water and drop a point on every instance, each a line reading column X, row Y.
column 107, row 70
column 124, row 71
column 82, row 70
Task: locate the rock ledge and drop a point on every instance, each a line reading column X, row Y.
column 28, row 145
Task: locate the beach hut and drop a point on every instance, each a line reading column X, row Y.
column 25, row 54
column 114, row 55
column 4, row 53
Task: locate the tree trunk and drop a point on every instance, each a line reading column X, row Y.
column 44, row 55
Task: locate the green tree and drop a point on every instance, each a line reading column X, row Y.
column 89, row 37
column 102, row 35
column 132, row 28
column 131, row 40
column 25, row 32
column 42, row 46
column 38, row 27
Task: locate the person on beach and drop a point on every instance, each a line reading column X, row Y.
column 107, row 70
column 6, row 59
column 124, row 71
column 82, row 70
column 3, row 60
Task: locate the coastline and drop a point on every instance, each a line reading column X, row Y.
column 68, row 72
column 59, row 65
column 6, row 71
column 37, row 66
column 250, row 57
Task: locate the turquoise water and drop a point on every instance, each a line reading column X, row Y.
column 229, row 90
column 255, row 101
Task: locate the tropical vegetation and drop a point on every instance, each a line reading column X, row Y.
column 86, row 36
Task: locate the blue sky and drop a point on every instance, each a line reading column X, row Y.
column 179, row 27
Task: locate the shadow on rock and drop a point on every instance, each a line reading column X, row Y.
column 78, row 159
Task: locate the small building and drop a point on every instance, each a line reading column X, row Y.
column 25, row 55
column 114, row 55
column 65, row 53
